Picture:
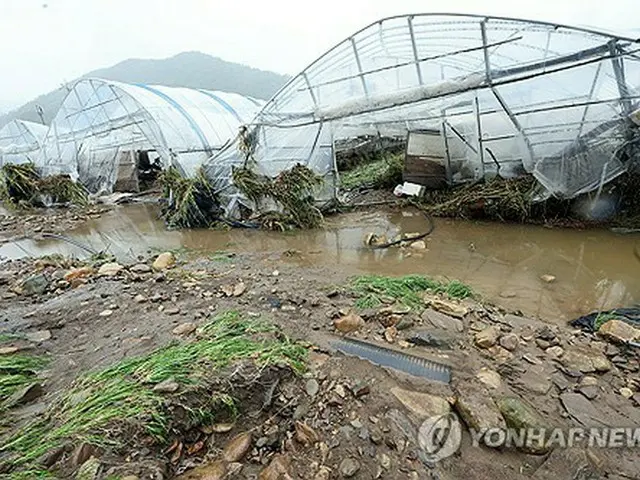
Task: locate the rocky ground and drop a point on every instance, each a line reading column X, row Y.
column 342, row 417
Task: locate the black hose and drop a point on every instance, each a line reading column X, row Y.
column 409, row 239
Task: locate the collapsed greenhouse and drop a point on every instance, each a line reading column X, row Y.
column 108, row 132
column 20, row 141
column 491, row 97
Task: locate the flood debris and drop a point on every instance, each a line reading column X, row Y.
column 21, row 185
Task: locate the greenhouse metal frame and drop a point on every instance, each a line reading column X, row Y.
column 20, row 141
column 508, row 97
column 101, row 124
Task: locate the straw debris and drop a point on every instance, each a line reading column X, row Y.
column 191, row 202
column 291, row 191
column 21, row 185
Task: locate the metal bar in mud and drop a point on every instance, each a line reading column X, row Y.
column 384, row 357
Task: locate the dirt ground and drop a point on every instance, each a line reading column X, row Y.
column 344, row 417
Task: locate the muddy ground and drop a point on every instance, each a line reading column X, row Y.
column 344, row 417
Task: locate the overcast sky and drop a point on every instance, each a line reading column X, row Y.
column 44, row 43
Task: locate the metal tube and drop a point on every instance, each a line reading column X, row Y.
column 415, row 50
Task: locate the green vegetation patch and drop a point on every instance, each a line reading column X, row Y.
column 106, row 407
column 17, row 371
column 383, row 172
column 603, row 318
column 372, row 290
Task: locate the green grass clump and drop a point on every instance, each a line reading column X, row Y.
column 603, row 318
column 121, row 397
column 384, row 172
column 17, row 371
column 373, row 289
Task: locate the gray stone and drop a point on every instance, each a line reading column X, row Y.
column 519, row 415
column 509, row 341
column 39, row 336
column 34, row 285
column 422, row 405
column 167, row 386
column 312, row 387
column 441, row 321
column 141, row 268
column 487, row 338
column 477, row 409
column 349, row 467
column 89, row 470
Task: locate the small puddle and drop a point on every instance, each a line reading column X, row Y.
column 594, row 268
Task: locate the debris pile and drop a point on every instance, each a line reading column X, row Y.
column 288, row 198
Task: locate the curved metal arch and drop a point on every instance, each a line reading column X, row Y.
column 478, row 17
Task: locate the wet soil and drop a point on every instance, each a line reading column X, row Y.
column 373, row 431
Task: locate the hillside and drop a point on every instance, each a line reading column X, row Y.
column 189, row 69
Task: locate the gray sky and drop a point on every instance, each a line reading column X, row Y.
column 44, row 43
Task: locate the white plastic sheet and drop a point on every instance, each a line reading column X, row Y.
column 20, row 141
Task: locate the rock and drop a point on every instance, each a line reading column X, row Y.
column 237, row 448
column 360, row 389
column 585, row 361
column 584, row 412
column 349, row 323
column 24, row 395
column 212, row 471
column 312, row 387
column 555, row 352
column 172, row 311
column 626, row 392
column 305, row 434
column 184, row 329
column 167, row 386
column 33, row 285
column 500, row 355
column 442, row 321
column 477, row 409
column 110, row 269
column 106, row 313
column 419, row 245
column 349, row 467
column 39, row 336
column 141, row 268
column 51, row 457
column 75, row 273
column 323, row 474
column 239, row 289
column 509, row 341
column 164, row 261
column 490, row 378
column 548, row 278
column 390, row 334
column 565, row 463
column 518, row 415
column 535, row 380
column 487, row 338
column 89, row 470
column 405, row 323
column 140, row 298
column 619, row 332
column 589, row 391
column 8, row 350
column 422, row 405
column 449, row 308
column 384, row 460
column 81, row 454
column 278, row 469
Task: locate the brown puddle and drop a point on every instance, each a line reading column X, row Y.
column 594, row 269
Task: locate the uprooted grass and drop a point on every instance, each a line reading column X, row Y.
column 191, row 202
column 291, row 190
column 372, row 290
column 22, row 185
column 101, row 406
column 17, row 371
column 383, row 172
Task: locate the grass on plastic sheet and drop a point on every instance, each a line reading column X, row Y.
column 17, row 371
column 603, row 318
column 372, row 289
column 18, row 183
column 384, row 172
column 103, row 403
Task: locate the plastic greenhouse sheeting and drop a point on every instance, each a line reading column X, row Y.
column 102, row 123
column 508, row 96
column 20, row 141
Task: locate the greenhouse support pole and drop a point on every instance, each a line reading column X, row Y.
column 592, row 90
column 415, row 50
column 359, row 65
column 313, row 96
column 480, row 152
column 618, row 70
column 501, row 101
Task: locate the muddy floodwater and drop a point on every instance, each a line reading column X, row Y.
column 594, row 269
